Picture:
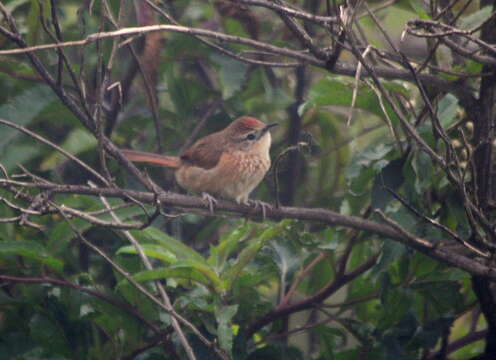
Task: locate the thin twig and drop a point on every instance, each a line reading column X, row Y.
column 163, row 294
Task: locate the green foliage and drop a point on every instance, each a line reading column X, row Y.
column 61, row 300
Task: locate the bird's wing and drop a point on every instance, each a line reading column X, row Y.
column 204, row 153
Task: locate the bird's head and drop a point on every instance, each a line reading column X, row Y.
column 247, row 133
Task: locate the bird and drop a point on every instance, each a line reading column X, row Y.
column 227, row 164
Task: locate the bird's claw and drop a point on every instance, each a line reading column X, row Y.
column 261, row 204
column 210, row 201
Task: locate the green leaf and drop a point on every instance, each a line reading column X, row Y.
column 396, row 303
column 186, row 93
column 248, row 254
column 330, row 339
column 476, row 19
column 390, row 178
column 224, row 315
column 227, row 245
column 184, row 269
column 174, row 246
column 428, row 335
column 232, row 74
column 49, row 334
column 398, row 337
column 331, row 239
column 339, row 92
column 33, row 23
column 320, row 276
column 283, row 255
column 390, row 252
column 243, row 259
column 31, row 250
column 444, row 296
column 16, row 111
column 365, row 165
column 446, row 110
column 186, row 273
column 151, row 250
column 424, row 170
column 13, row 5
column 418, row 7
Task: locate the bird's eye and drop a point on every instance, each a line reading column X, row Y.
column 250, row 137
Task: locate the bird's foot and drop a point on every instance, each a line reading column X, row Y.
column 260, row 204
column 210, row 201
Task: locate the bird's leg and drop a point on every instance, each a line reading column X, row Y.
column 210, row 201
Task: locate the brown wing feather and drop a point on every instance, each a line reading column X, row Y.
column 206, row 152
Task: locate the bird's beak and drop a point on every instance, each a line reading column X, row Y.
column 267, row 127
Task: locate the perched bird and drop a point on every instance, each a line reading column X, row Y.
column 228, row 164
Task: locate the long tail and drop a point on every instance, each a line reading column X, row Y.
column 150, row 158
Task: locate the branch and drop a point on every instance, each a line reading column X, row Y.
column 311, row 301
column 461, row 342
column 292, row 12
column 340, row 68
column 442, row 250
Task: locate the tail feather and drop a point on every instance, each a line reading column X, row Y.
column 150, row 158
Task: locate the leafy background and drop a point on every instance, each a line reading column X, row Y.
column 374, row 298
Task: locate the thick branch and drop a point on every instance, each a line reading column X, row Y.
column 445, row 250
